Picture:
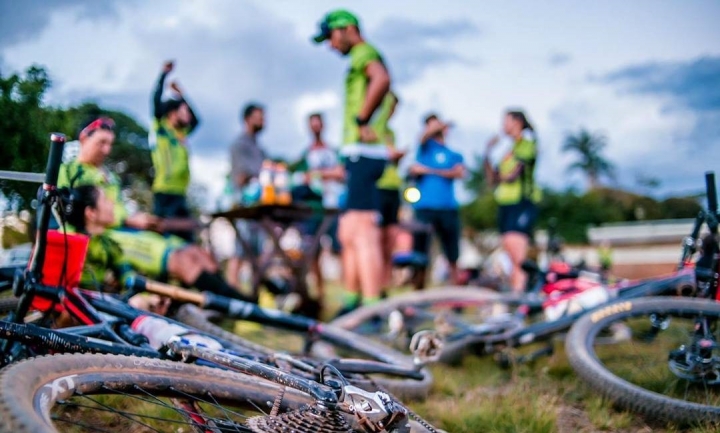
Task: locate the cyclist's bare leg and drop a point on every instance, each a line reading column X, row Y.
column 389, row 235
column 232, row 271
column 516, row 245
column 348, row 255
column 195, row 267
column 368, row 250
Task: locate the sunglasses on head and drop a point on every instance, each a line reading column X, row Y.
column 105, row 123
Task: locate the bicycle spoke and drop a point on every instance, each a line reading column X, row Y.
column 194, row 397
column 121, row 412
column 124, row 416
column 224, row 410
column 81, row 424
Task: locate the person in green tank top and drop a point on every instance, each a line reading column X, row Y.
column 366, row 84
column 516, row 193
column 173, row 120
column 388, row 185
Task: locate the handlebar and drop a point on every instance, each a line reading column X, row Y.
column 712, row 200
column 57, row 143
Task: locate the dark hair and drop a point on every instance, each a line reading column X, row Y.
column 250, row 109
column 520, row 116
column 171, row 105
column 430, row 117
column 318, row 115
column 77, row 200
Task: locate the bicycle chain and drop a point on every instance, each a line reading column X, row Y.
column 308, row 419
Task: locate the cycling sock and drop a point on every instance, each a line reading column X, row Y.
column 215, row 284
column 371, row 300
column 351, row 299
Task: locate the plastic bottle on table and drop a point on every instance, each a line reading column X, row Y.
column 267, row 189
column 159, row 332
column 251, row 192
column 282, row 185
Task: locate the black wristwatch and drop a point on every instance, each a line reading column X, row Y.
column 361, row 122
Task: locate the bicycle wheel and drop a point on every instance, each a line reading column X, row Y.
column 95, row 393
column 662, row 367
column 452, row 311
column 333, row 342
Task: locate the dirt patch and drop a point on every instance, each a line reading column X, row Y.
column 573, row 420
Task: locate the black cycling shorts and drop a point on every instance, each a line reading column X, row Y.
column 518, row 218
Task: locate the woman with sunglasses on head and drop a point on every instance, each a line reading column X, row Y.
column 516, row 193
column 147, row 252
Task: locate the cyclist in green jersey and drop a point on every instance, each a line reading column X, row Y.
column 516, row 193
column 389, row 186
column 173, row 120
column 147, row 252
column 366, row 84
column 105, row 267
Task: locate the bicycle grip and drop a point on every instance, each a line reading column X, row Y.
column 57, row 144
column 711, row 192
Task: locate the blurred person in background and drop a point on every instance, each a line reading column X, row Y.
column 516, row 192
column 365, row 154
column 173, row 120
column 436, row 169
column 246, row 159
column 319, row 184
column 389, row 186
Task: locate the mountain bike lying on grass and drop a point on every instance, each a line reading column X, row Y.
column 143, row 379
column 466, row 320
column 670, row 368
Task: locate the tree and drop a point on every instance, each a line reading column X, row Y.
column 475, row 180
column 24, row 130
column 25, row 124
column 588, row 148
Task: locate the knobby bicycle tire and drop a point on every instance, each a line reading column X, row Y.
column 583, row 359
column 29, row 389
column 405, row 389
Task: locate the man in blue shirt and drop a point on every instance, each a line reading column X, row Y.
column 436, row 169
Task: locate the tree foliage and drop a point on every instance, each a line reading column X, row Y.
column 588, row 148
column 26, row 122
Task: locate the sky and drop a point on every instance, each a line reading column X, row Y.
column 645, row 74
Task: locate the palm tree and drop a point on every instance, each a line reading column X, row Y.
column 589, row 147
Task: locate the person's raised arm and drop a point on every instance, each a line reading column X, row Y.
column 194, row 120
column 157, row 95
column 491, row 175
column 431, row 130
